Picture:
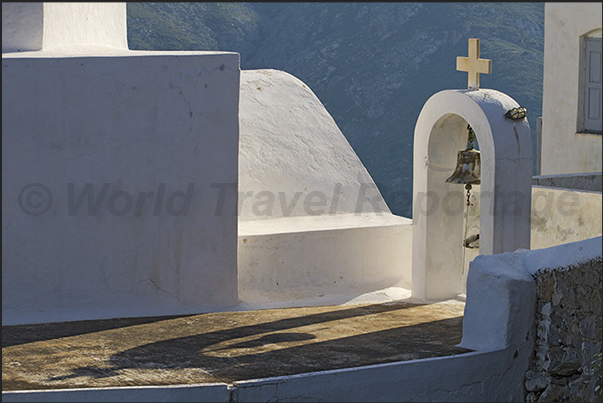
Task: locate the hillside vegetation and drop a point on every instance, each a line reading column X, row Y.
column 373, row 65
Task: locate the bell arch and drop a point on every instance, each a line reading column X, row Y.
column 504, row 194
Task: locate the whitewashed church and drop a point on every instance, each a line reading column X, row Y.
column 149, row 183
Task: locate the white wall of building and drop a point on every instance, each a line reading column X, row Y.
column 37, row 26
column 22, row 26
column 564, row 215
column 564, row 149
column 558, row 215
column 139, row 122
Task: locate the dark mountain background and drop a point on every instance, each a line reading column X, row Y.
column 373, row 65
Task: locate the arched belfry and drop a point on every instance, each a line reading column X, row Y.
column 503, row 195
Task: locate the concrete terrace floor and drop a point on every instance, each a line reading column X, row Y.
column 225, row 346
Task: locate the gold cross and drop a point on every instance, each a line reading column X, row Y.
column 473, row 64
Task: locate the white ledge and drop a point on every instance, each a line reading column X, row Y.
column 319, row 223
column 103, row 51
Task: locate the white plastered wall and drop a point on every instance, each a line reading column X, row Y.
column 292, row 150
column 37, row 26
column 159, row 124
column 133, row 122
column 564, row 150
column 313, row 226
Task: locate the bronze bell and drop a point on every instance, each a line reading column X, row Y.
column 467, row 171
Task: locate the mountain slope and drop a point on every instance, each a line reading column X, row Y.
column 373, row 65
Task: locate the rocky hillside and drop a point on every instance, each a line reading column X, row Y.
column 373, row 65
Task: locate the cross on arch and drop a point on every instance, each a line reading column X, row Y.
column 473, row 64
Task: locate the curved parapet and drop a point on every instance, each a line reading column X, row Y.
column 313, row 226
column 293, row 159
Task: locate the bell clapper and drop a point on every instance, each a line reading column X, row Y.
column 468, row 188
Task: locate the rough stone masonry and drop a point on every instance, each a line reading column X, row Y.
column 565, row 366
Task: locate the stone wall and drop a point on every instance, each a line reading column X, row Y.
column 568, row 322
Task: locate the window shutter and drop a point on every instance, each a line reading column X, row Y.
column 592, row 86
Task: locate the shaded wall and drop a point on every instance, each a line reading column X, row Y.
column 109, row 167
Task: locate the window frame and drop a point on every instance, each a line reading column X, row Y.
column 583, row 104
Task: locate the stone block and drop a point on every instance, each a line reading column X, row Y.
column 587, row 327
column 536, row 381
column 552, row 393
column 564, row 361
column 596, row 302
column 545, row 287
column 577, row 389
column 588, row 351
